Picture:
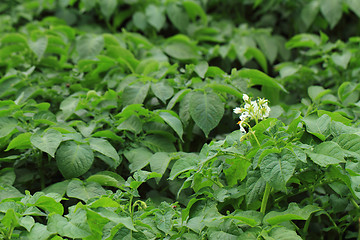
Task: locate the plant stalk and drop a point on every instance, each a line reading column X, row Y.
column 265, row 198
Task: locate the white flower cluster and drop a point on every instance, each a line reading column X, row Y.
column 256, row 110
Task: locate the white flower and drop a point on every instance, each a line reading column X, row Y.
column 245, row 97
column 244, row 116
column 237, row 110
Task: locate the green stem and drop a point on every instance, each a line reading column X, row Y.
column 306, row 226
column 265, row 198
column 354, row 203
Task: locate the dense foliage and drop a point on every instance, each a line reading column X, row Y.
column 117, row 119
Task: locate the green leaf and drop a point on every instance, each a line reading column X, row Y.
column 135, row 94
column 47, row 141
column 194, row 10
column 250, row 217
column 255, row 186
column 27, row 222
column 332, row 11
column 294, row 212
column 104, row 202
column 259, row 78
column 327, row 153
column 107, row 178
column 349, row 142
column 303, row 40
column 7, row 176
column 49, row 204
column 116, row 218
column 159, row 162
column 177, row 16
column 132, row 123
column 354, row 5
column 89, row 45
column 173, row 121
column 7, row 125
column 162, row 91
column 155, row 16
column 277, row 169
column 74, row 159
column 10, row 220
column 177, row 97
column 139, row 20
column 181, row 48
column 138, row 158
column 107, row 7
column 21, row 141
column 252, row 52
column 58, row 187
column 75, row 226
column 317, row 92
column 158, row 143
column 201, row 68
column 283, row 233
column 68, row 106
column 224, row 88
column 320, row 127
column 341, row 60
column 206, row 109
column 183, row 164
column 309, row 13
column 237, row 170
column 39, row 46
column 84, row 190
column 38, row 231
column 104, row 147
column 222, row 235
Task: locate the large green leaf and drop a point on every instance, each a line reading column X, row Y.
column 162, row 90
column 39, row 46
column 181, row 48
column 255, row 186
column 155, row 16
column 89, row 45
column 327, row 153
column 21, row 141
column 237, row 170
column 49, row 204
column 355, row 6
column 38, row 231
column 158, row 143
column 135, row 94
column 107, row 7
column 104, row 147
column 283, row 233
column 138, row 158
column 259, row 78
column 277, row 169
column 177, row 16
column 7, row 125
column 74, row 159
column 159, row 162
column 294, row 212
column 320, row 127
column 75, row 226
column 107, row 178
column 206, row 109
column 332, row 11
column 184, row 164
column 349, row 142
column 173, row 121
column 47, row 141
column 84, row 190
column 250, row 217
